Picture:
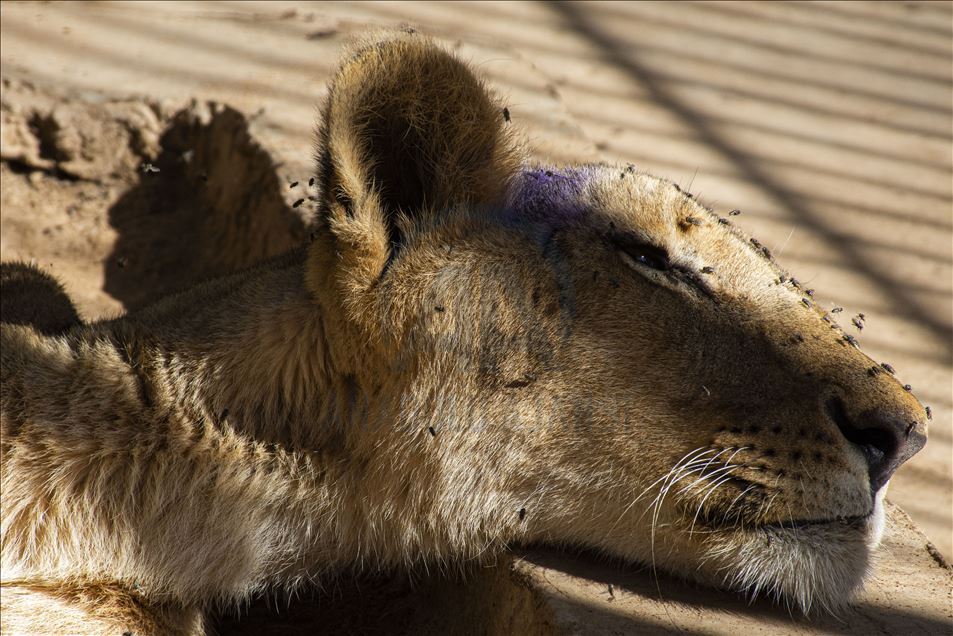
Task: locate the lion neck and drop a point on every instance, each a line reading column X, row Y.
column 251, row 357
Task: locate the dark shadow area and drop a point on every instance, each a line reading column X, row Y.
column 479, row 600
column 502, row 600
column 210, row 204
column 30, row 296
column 621, row 55
column 368, row 605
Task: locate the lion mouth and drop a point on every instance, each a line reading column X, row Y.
column 794, row 524
column 718, row 522
column 858, row 522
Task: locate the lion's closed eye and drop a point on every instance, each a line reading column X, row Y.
column 638, row 255
column 651, row 261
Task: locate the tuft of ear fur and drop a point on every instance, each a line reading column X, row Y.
column 407, row 130
column 29, row 296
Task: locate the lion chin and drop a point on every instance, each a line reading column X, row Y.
column 814, row 566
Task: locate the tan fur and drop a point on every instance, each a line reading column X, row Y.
column 60, row 607
column 432, row 379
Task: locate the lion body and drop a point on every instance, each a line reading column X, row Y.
column 462, row 359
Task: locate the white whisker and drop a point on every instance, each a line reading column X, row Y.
column 690, row 457
column 713, row 488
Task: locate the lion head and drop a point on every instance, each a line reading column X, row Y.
column 585, row 355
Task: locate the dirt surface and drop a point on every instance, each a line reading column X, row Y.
column 146, row 146
column 125, row 202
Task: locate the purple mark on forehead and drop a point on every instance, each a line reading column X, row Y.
column 547, row 194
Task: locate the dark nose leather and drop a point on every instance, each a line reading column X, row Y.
column 885, row 439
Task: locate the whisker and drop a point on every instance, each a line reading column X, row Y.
column 735, row 500
column 706, row 476
column 657, row 505
column 713, row 488
column 691, row 456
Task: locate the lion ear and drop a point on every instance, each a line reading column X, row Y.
column 407, row 130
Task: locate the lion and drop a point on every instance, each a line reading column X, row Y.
column 471, row 352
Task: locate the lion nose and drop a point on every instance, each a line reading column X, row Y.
column 886, row 439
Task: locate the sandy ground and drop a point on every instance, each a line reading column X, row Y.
column 828, row 125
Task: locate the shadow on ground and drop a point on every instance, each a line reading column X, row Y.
column 210, row 204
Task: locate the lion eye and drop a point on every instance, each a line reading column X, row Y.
column 646, row 255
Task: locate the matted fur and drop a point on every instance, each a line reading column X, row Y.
column 469, row 354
